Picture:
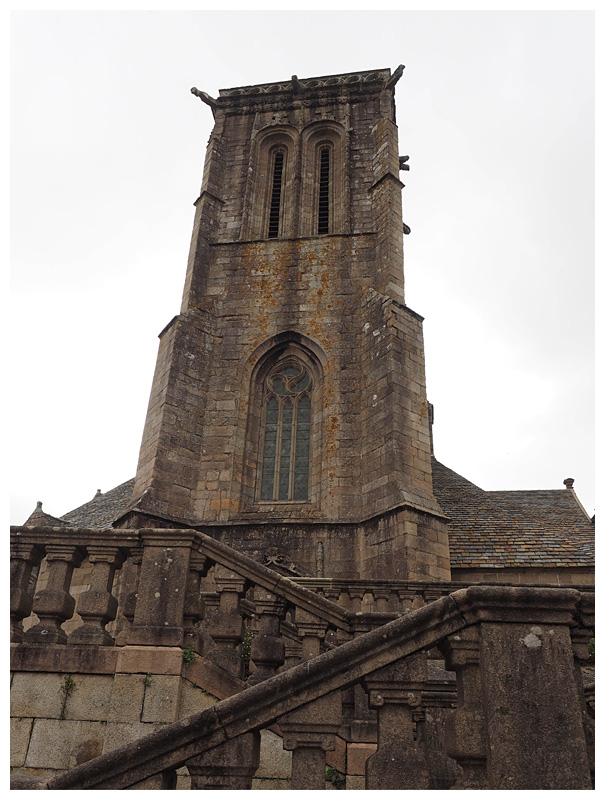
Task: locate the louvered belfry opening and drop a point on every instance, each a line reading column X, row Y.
column 278, row 169
column 323, row 225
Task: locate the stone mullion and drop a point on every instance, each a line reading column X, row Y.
column 97, row 606
column 54, row 605
column 395, row 693
column 24, row 557
column 465, row 729
column 267, row 650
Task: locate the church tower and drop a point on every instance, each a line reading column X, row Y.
column 288, row 411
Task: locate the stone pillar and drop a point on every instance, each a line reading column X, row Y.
column 158, row 617
column 267, row 651
column 24, row 557
column 582, row 634
column 98, row 606
column 465, row 739
column 395, row 693
column 310, row 731
column 193, row 613
column 534, row 733
column 54, row 605
column 227, row 624
column 229, row 766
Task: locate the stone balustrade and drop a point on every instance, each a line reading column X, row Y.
column 519, row 725
column 319, row 672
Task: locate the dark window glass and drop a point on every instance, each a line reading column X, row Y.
column 287, row 435
column 278, row 169
column 323, row 220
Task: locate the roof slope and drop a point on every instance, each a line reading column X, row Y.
column 538, row 528
column 541, row 528
column 103, row 509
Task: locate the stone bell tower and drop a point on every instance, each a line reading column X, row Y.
column 288, row 409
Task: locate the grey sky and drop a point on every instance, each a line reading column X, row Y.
column 496, row 111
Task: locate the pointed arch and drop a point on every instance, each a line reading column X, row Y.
column 283, row 432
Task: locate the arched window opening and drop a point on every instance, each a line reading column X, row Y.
column 323, row 217
column 286, row 434
column 276, row 188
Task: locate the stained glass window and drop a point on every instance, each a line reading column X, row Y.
column 286, row 434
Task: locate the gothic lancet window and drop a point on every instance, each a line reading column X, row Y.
column 286, row 437
column 276, row 190
column 323, row 216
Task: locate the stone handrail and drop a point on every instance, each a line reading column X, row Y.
column 511, row 650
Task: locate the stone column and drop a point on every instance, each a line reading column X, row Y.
column 54, row 605
column 227, row 624
column 158, row 617
column 229, row 766
column 267, row 651
column 98, row 606
column 395, row 693
column 24, row 557
column 465, row 739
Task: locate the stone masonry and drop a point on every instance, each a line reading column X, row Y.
column 333, row 300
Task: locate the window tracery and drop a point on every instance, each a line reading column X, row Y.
column 286, row 433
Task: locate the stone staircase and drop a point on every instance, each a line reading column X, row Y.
column 476, row 687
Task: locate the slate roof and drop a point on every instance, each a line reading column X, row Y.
column 103, row 509
column 538, row 528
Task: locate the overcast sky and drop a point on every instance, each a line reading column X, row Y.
column 495, row 110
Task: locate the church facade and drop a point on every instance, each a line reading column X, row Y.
column 288, row 423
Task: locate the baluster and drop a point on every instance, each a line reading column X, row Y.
column 97, row 606
column 230, row 766
column 127, row 602
column 356, row 595
column 193, row 612
column 267, row 651
column 54, row 605
column 381, row 597
column 465, row 733
column 24, row 557
column 406, row 598
column 293, row 652
column 395, row 693
column 310, row 731
column 227, row 624
column 331, row 593
column 434, row 593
